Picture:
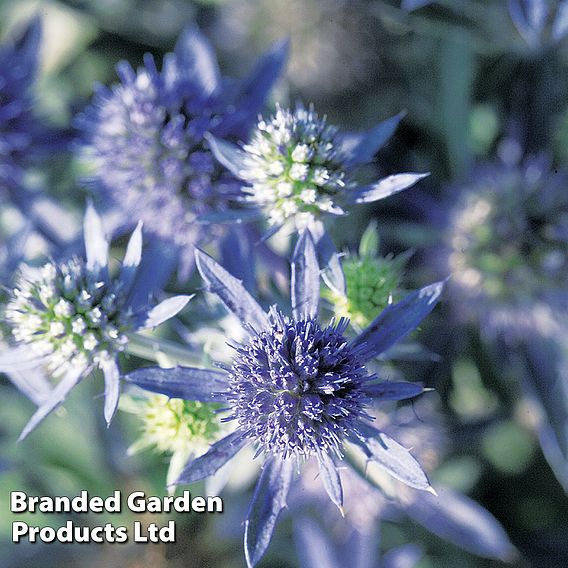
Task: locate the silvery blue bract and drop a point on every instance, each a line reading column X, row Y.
column 373, row 497
column 539, row 21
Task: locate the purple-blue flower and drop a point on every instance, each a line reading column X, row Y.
column 507, row 249
column 73, row 316
column 297, row 390
column 145, row 137
column 297, row 169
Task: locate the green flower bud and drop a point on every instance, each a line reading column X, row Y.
column 370, row 282
column 174, row 425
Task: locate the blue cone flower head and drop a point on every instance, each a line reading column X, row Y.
column 297, row 389
column 507, row 239
column 72, row 317
column 145, row 136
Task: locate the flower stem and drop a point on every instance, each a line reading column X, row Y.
column 162, row 351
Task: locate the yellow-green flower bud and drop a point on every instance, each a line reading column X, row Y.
column 370, row 283
column 174, row 425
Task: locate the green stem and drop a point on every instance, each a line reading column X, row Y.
column 152, row 348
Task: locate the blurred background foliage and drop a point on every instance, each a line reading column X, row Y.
column 470, row 84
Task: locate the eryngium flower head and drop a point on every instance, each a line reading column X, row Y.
column 507, row 241
column 296, row 389
column 294, row 165
column 145, row 135
column 66, row 314
column 298, row 167
column 21, row 134
column 73, row 316
column 370, row 283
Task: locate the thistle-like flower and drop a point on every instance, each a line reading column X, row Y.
column 507, row 239
column 298, row 168
column 296, row 390
column 294, row 165
column 507, row 245
column 72, row 317
column 145, row 136
column 181, row 428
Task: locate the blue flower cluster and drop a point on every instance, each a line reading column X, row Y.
column 144, row 138
column 184, row 167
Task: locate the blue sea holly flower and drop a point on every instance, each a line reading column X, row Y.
column 144, row 137
column 507, row 239
column 507, row 245
column 296, row 390
column 72, row 317
column 298, row 168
